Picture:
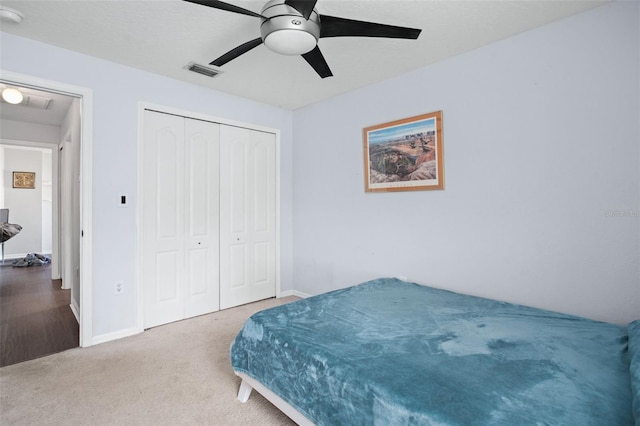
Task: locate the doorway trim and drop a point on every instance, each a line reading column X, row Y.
column 142, row 107
column 86, row 158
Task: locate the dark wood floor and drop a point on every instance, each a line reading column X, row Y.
column 35, row 317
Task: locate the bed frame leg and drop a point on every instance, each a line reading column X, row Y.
column 244, row 392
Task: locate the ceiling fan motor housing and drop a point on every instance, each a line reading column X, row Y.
column 285, row 31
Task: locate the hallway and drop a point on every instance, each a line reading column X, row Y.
column 35, row 317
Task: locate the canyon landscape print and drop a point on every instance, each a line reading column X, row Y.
column 404, row 154
column 412, row 157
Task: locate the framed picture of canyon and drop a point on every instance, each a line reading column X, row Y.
column 404, row 155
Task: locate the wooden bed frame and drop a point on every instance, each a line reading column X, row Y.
column 248, row 384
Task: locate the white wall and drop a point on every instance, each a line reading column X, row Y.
column 47, row 202
column 117, row 90
column 541, row 140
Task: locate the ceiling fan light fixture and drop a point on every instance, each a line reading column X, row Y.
column 284, row 30
column 12, row 96
column 290, row 42
column 292, row 27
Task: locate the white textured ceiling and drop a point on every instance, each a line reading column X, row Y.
column 163, row 36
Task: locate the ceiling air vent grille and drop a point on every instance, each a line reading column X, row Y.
column 209, row 71
column 37, row 102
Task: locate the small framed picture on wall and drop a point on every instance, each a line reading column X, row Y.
column 25, row 180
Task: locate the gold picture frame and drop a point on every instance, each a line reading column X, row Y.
column 26, row 180
column 404, row 155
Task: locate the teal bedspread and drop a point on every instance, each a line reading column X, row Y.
column 388, row 352
column 634, row 357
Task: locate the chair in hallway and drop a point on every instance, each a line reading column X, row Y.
column 8, row 230
column 4, row 218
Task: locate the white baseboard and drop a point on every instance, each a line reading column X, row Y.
column 14, row 256
column 294, row 293
column 107, row 337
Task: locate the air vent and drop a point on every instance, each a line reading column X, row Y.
column 207, row 70
column 37, row 102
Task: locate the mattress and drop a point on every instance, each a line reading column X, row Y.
column 392, row 352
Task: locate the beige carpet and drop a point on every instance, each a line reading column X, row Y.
column 176, row 374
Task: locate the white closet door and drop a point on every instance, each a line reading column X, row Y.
column 180, row 270
column 202, row 182
column 163, row 219
column 247, row 216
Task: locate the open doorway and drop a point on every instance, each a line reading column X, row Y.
column 49, row 121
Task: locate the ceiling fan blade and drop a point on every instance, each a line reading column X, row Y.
column 316, row 60
column 305, row 7
column 225, row 6
column 234, row 53
column 332, row 26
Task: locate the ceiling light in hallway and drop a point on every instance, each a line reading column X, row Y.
column 12, row 96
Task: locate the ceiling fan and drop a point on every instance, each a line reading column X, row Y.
column 293, row 27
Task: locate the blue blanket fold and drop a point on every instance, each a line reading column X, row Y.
column 391, row 352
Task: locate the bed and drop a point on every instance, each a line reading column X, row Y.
column 389, row 352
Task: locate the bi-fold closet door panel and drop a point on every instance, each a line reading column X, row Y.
column 247, row 216
column 202, row 183
column 180, row 213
